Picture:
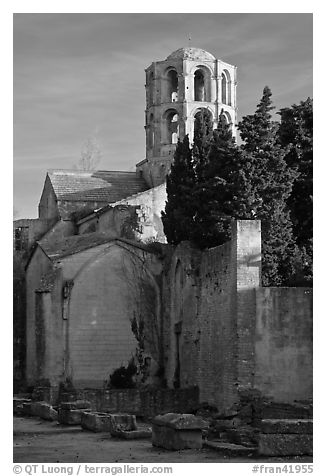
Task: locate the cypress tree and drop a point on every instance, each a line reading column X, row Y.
column 219, row 189
column 268, row 183
column 178, row 215
column 296, row 133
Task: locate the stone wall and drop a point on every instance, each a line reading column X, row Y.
column 228, row 335
column 38, row 266
column 283, row 343
column 211, row 314
column 140, row 402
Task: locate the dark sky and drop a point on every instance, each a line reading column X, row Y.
column 80, row 72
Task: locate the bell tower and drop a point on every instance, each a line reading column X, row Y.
column 177, row 88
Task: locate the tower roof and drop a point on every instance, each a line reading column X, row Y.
column 192, row 54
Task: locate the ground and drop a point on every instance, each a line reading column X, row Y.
column 39, row 441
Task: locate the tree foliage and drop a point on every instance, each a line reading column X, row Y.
column 296, row 132
column 90, row 155
column 178, row 215
column 217, row 181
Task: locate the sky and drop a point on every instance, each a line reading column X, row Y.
column 78, row 73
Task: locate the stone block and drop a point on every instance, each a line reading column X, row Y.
column 75, row 405
column 70, row 417
column 285, row 444
column 27, row 408
column 96, row 421
column 122, row 422
column 172, row 439
column 287, row 426
column 18, row 405
column 175, row 431
column 47, row 412
column 289, row 411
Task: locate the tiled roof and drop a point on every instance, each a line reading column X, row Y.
column 99, row 186
column 77, row 243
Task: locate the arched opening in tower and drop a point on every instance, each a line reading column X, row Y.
column 172, row 78
column 200, row 92
column 172, row 127
column 226, row 88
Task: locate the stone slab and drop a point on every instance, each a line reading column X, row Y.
column 133, row 434
column 96, row 421
column 181, row 421
column 276, row 410
column 286, row 426
column 230, row 449
column 70, row 417
column 174, row 439
column 285, row 444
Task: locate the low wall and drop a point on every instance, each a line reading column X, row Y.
column 283, row 343
column 143, row 403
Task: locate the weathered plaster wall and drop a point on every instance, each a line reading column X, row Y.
column 33, row 230
column 138, row 216
column 49, row 329
column 60, row 230
column 67, row 208
column 48, row 207
column 283, row 343
column 104, row 300
column 39, row 264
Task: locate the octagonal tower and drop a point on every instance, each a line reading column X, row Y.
column 176, row 90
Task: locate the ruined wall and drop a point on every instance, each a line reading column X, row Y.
column 227, row 334
column 202, row 298
column 283, row 343
column 208, row 338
